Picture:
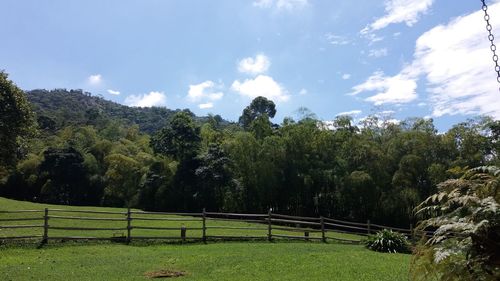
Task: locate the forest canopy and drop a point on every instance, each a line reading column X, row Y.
column 89, row 151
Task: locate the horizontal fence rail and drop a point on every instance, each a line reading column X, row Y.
column 180, row 226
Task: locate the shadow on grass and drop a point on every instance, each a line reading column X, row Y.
column 57, row 243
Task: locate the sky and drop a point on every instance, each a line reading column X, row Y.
column 393, row 58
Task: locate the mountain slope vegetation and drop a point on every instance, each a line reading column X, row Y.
column 90, row 151
column 60, row 107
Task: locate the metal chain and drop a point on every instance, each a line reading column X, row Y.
column 493, row 47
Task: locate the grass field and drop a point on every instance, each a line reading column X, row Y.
column 7, row 204
column 214, row 261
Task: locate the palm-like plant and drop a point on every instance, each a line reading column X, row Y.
column 388, row 241
column 465, row 217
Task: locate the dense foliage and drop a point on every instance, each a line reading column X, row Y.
column 94, row 152
column 465, row 214
column 260, row 106
column 388, row 241
column 16, row 123
column 59, row 108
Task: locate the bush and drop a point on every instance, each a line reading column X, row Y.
column 465, row 214
column 388, row 241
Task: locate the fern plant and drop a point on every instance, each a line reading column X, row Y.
column 465, row 217
column 388, row 241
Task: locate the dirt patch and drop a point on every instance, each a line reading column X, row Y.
column 164, row 273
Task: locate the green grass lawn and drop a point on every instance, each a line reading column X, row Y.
column 215, row 261
column 281, row 260
column 7, row 204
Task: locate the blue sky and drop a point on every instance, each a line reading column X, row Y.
column 395, row 58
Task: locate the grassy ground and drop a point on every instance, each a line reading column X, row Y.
column 213, row 261
column 216, row 261
column 7, row 204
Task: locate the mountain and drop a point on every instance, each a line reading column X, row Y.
column 61, row 107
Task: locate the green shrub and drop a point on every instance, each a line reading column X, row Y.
column 388, row 241
column 465, row 214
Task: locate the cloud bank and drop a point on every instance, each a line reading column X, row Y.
column 261, row 85
column 147, row 100
column 257, row 65
column 454, row 63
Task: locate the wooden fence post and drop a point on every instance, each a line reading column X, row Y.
column 129, row 225
column 183, row 233
column 204, row 227
column 323, row 236
column 45, row 226
column 368, row 227
column 269, row 234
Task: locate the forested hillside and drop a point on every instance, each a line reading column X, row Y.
column 60, row 107
column 86, row 151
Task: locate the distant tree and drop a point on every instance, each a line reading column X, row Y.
column 16, row 121
column 243, row 150
column 64, row 174
column 179, row 139
column 304, row 113
column 361, row 195
column 261, row 127
column 154, row 190
column 472, row 146
column 123, row 179
column 258, row 107
column 46, row 123
column 215, row 177
column 494, row 138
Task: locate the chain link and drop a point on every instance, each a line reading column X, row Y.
column 493, row 47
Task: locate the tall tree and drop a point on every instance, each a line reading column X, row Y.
column 259, row 106
column 123, row 178
column 16, row 121
column 179, row 139
column 65, row 177
column 214, row 176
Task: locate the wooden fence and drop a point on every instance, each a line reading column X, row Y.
column 269, row 226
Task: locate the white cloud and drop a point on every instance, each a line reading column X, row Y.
column 113, row 92
column 387, row 112
column 377, row 53
column 398, row 11
column 397, row 89
column 281, row 4
column 327, row 125
column 336, row 39
column 262, row 85
column 346, row 76
column 303, row 92
column 257, row 65
column 350, row 113
column 204, row 91
column 95, row 79
column 146, row 100
column 456, row 61
column 206, row 105
column 372, row 37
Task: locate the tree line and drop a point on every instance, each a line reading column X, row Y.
column 375, row 169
